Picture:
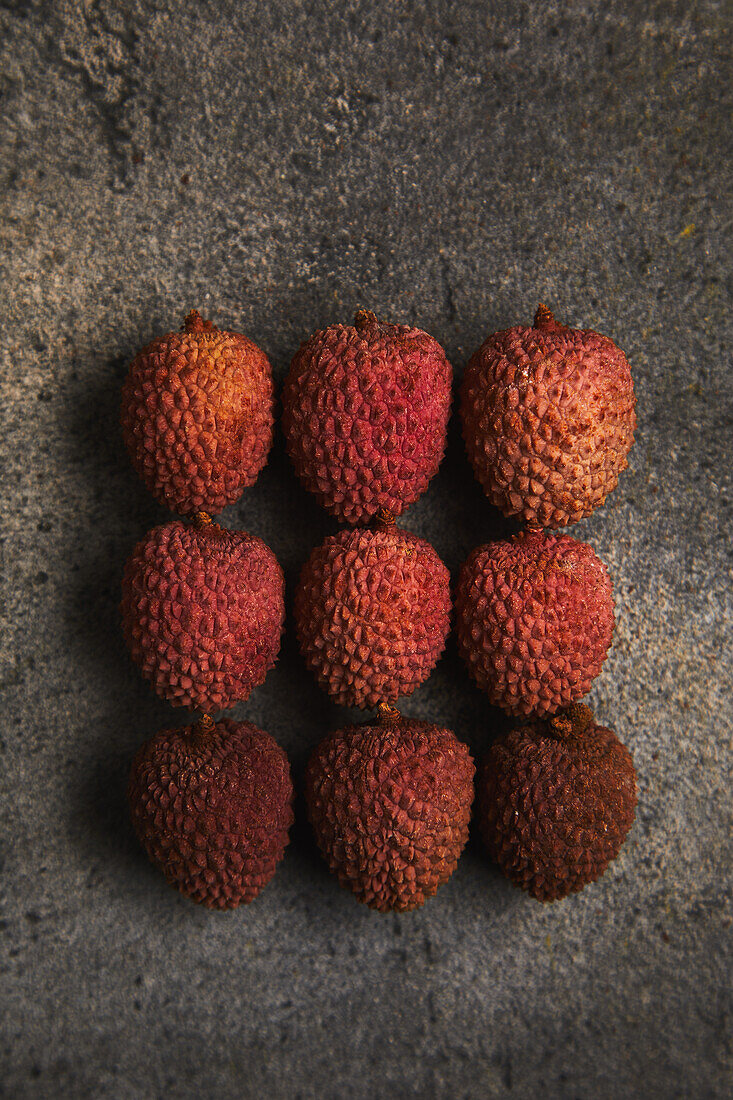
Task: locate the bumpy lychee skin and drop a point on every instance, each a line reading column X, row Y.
column 556, row 800
column 212, row 804
column 372, row 613
column 197, row 416
column 202, row 612
column 534, row 619
column 365, row 412
column 548, row 420
column 390, row 803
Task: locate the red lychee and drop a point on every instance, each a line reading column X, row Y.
column 365, row 411
column 202, row 612
column 390, row 802
column 212, row 805
column 534, row 618
column 197, row 416
column 548, row 420
column 555, row 801
column 372, row 613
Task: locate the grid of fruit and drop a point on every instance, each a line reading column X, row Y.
column 548, row 420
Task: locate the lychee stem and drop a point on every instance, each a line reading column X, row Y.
column 364, row 318
column 386, row 713
column 205, row 724
column 194, row 322
column 201, row 520
column 544, row 318
column 571, row 722
column 384, row 517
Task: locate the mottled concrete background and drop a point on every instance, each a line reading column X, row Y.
column 277, row 165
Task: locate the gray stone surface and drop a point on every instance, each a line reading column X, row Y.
column 277, row 165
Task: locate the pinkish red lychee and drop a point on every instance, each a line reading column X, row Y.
column 202, row 612
column 535, row 617
column 365, row 412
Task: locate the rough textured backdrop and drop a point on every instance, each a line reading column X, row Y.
column 277, row 165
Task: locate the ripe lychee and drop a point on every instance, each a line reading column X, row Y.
column 212, row 805
column 548, row 420
column 390, row 802
column 555, row 801
column 202, row 612
column 197, row 416
column 372, row 613
column 365, row 411
column 534, row 619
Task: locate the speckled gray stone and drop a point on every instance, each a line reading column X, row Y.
column 276, row 166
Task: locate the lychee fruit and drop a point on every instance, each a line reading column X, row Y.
column 202, row 612
column 197, row 416
column 390, row 802
column 365, row 412
column 212, row 804
column 372, row 613
column 556, row 800
column 548, row 420
column 535, row 617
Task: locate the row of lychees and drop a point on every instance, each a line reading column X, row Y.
column 548, row 419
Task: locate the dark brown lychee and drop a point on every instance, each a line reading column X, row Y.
column 390, row 802
column 212, row 805
column 372, row 613
column 365, row 411
column 534, row 618
column 555, row 801
column 548, row 420
column 202, row 612
column 197, row 416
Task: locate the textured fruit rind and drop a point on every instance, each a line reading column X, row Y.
column 365, row 414
column 535, row 618
column 548, row 420
column 390, row 806
column 197, row 416
column 372, row 613
column 554, row 809
column 212, row 809
column 202, row 613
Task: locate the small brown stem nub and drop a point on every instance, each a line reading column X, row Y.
column 363, row 319
column 205, row 724
column 572, row 721
column 544, row 318
column 387, row 713
column 194, row 322
column 384, row 518
column 201, row 520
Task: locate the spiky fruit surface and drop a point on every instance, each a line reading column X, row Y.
column 197, row 416
column 212, row 805
column 372, row 613
column 365, row 411
column 390, row 803
column 548, row 420
column 555, row 802
column 534, row 619
column 202, row 612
